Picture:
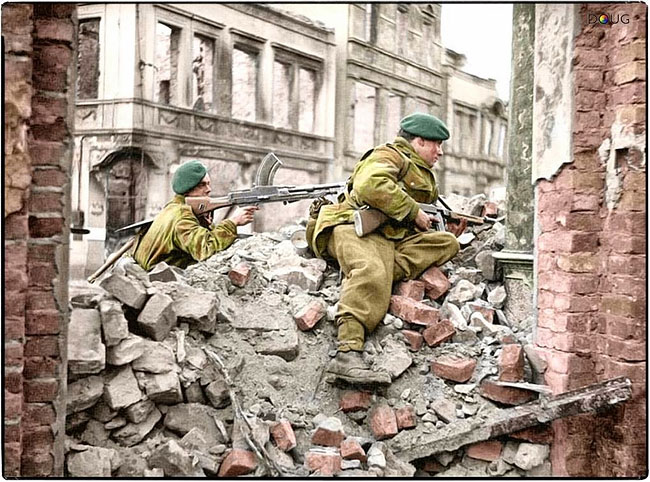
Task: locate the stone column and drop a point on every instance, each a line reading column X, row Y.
column 516, row 259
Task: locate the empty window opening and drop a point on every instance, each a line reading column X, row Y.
column 203, row 70
column 282, row 86
column 167, row 50
column 244, row 84
column 88, row 59
column 306, row 99
column 489, row 127
column 502, row 141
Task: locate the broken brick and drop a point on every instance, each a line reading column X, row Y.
column 383, row 422
column 489, row 450
column 324, row 463
column 432, row 465
column 239, row 274
column 411, row 289
column 414, row 312
column 238, row 462
column 486, row 311
column 453, row 368
column 405, row 417
column 511, row 363
column 310, row 314
column 414, row 339
column 436, row 283
column 283, row 435
column 352, row 450
column 490, row 209
column 540, row 434
column 505, row 395
column 439, row 332
column 329, row 433
column 354, row 401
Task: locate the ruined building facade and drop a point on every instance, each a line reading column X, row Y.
column 227, row 83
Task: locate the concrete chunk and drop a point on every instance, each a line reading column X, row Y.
column 182, row 417
column 93, row 462
column 197, row 307
column 126, row 289
column 133, row 433
column 121, row 389
column 86, row 352
column 157, row 317
column 394, row 359
column 126, row 351
column 84, row 393
column 530, row 455
column 164, row 273
column 157, row 358
column 175, row 461
column 139, row 411
column 161, row 387
column 114, row 324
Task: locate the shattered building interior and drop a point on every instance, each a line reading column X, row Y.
column 194, row 373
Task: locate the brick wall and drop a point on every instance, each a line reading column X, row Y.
column 39, row 40
column 592, row 249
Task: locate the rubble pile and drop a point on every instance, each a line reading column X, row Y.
column 147, row 398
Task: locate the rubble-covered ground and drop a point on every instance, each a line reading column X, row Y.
column 144, row 398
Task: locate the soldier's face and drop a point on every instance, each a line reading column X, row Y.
column 201, row 189
column 428, row 150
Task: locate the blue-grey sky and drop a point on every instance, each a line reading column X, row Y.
column 483, row 32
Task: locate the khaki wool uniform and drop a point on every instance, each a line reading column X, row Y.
column 394, row 179
column 177, row 237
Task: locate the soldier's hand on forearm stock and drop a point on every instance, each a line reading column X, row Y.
column 423, row 220
column 243, row 216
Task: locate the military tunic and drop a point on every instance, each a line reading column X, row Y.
column 394, row 179
column 177, row 237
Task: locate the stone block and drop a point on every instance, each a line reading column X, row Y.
column 540, row 434
column 394, row 358
column 122, row 389
column 412, row 311
column 126, row 350
column 157, row 358
column 86, row 352
column 157, row 317
column 84, row 393
column 383, row 422
column 95, row 434
column 329, row 433
column 161, row 387
column 238, row 462
column 354, row 401
column 164, row 273
column 134, row 433
column 128, row 290
column 497, row 297
column 445, row 410
column 182, row 417
column 505, row 395
column 197, row 307
column 405, row 417
column 414, row 339
column 303, row 277
column 436, row 283
column 489, row 450
column 239, row 274
column 114, row 324
column 487, row 264
column 530, row 455
column 438, row 333
column 92, row 462
column 309, row 315
column 511, row 363
column 351, row 449
column 175, row 461
column 217, row 393
column 453, row 368
column 413, row 289
column 139, row 411
column 194, row 393
column 323, row 462
column 483, row 308
column 283, row 435
column 101, row 411
column 282, row 343
column 463, row 292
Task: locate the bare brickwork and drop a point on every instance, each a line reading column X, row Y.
column 592, row 249
column 38, row 78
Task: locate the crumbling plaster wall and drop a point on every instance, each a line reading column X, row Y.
column 39, row 76
column 590, row 187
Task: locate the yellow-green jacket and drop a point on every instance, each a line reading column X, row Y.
column 177, row 237
column 392, row 178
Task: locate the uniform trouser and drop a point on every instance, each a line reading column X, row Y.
column 370, row 265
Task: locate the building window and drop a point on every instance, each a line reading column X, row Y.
column 502, row 141
column 244, row 84
column 88, row 59
column 364, row 116
column 167, row 50
column 394, row 112
column 472, row 144
column 487, row 140
column 203, row 71
column 306, row 99
column 402, row 32
column 370, row 22
column 282, row 86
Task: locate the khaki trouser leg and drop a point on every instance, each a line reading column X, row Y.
column 367, row 264
column 416, row 253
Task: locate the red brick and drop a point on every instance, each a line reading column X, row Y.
column 566, row 363
column 49, row 81
column 414, row 339
column 13, row 405
column 39, row 414
column 12, row 452
column 354, row 401
column 45, row 153
column 52, row 29
column 589, row 80
column 405, row 417
column 630, row 223
column 624, row 328
column 41, row 390
column 239, row 274
column 410, row 289
column 578, row 262
column 539, row 434
column 627, row 265
column 589, row 119
column 511, row 363
column 486, row 311
column 15, row 304
column 46, row 202
column 13, row 354
column 432, row 465
column 632, row 93
column 49, row 177
column 568, row 242
column 45, row 227
column 628, row 53
column 41, row 275
column 383, row 422
column 631, row 244
column 505, row 395
column 15, row 280
column 45, row 322
column 283, row 435
column 412, row 311
column 352, row 450
column 323, row 435
column 568, row 342
column 439, row 332
column 569, row 283
column 490, row 209
column 42, row 252
column 590, row 101
column 39, row 367
column 41, row 300
column 14, row 329
column 620, row 305
column 489, row 450
column 576, row 303
column 310, row 315
column 632, row 201
column 238, row 462
column 455, row 368
column 37, row 436
column 48, row 110
column 436, row 283
column 628, row 350
column 16, row 226
column 565, row 322
column 42, row 346
column 323, row 463
column 12, row 432
column 14, row 379
column 36, row 462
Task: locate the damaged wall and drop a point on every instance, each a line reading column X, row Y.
column 38, row 59
column 591, row 215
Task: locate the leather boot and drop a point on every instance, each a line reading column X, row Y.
column 350, row 367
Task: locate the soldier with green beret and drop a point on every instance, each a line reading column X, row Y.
column 177, row 236
column 394, row 178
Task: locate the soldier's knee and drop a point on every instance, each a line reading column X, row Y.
column 454, row 245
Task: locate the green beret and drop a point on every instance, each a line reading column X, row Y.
column 425, row 126
column 188, row 176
